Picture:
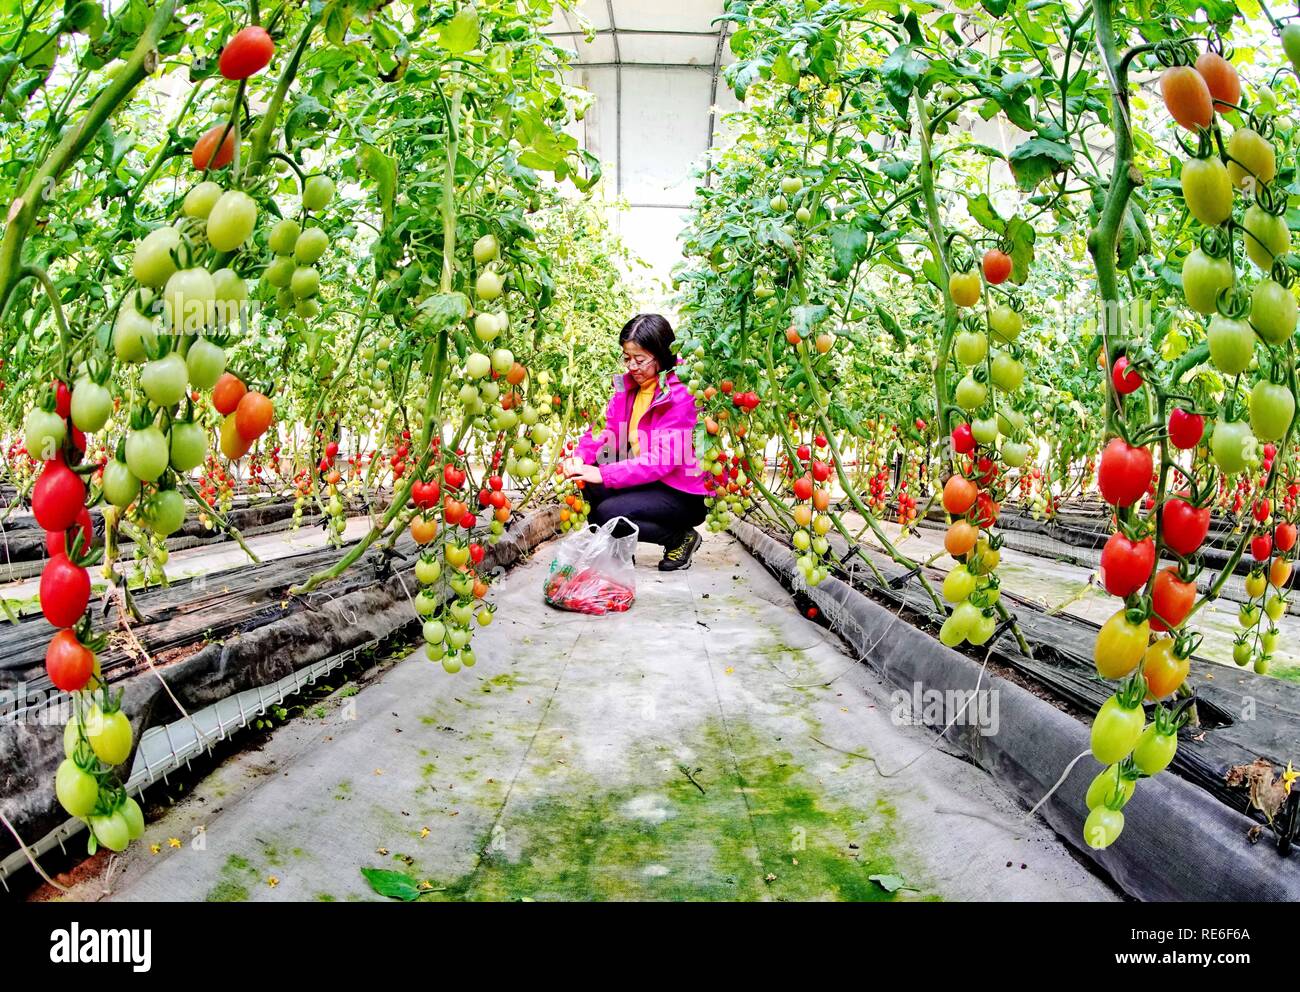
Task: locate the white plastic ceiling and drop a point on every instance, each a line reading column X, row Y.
column 655, row 69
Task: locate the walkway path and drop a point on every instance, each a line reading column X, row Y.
column 683, row 750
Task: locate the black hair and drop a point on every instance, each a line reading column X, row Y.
column 653, row 333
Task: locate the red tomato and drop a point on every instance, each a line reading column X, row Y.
column 1221, row 79
column 1261, row 546
column 1187, row 97
column 963, row 441
column 959, row 495
column 247, row 53
column 58, row 497
column 1184, row 526
column 68, row 662
column 1263, row 508
column 997, row 266
column 207, row 144
column 56, row 540
column 1185, row 429
column 803, row 488
column 1125, row 472
column 62, row 399
column 1171, row 599
column 64, row 591
column 1284, row 536
column 227, row 393
column 1126, row 565
column 1126, row 380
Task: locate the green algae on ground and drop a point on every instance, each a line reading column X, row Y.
column 502, row 681
column 231, row 888
column 758, row 830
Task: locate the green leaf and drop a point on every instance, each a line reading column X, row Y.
column 892, row 883
column 338, row 17
column 900, row 73
column 849, row 247
column 1022, row 236
column 985, row 214
column 889, row 323
column 897, row 170
column 807, row 317
column 391, row 884
column 1034, row 160
column 383, row 170
column 460, row 34
column 445, row 309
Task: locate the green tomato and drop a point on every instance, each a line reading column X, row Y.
column 284, row 236
column 427, row 571
column 164, row 380
column 1006, row 372
column 317, row 192
column 153, row 264
column 1015, row 453
column 434, row 631
column 305, row 282
column 1266, row 236
column 1232, row 344
column 120, row 486
column 147, row 453
column 1291, row 44
column 502, row 360
column 486, row 250
column 1272, row 408
column 91, row 405
column 188, row 301
column 1005, row 323
column 1273, row 312
column 1102, row 827
column 1248, row 615
column 204, row 363
column 112, row 831
column 984, row 430
column 134, row 816
column 231, row 290
column 971, row 347
column 165, row 512
column 1241, row 653
column 435, row 650
column 44, row 432
column 279, row 272
column 951, row 634
column 1108, row 785
column 489, row 286
column 1115, row 731
column 1154, row 751
column 1010, row 422
column 982, row 629
column 201, row 199
column 971, row 393
column 958, row 584
column 1233, row 446
column 189, row 446
column 425, row 604
column 1204, row 278
column 232, row 220
column 477, row 366
column 310, row 246
column 1207, row 190
column 109, row 735
column 76, row 789
column 134, row 335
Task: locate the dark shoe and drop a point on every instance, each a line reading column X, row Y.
column 679, row 555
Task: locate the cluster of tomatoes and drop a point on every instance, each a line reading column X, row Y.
column 811, row 510
column 729, row 489
column 972, row 496
column 453, row 563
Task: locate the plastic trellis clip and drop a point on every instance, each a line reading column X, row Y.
column 901, row 580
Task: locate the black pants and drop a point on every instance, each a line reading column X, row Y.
column 662, row 513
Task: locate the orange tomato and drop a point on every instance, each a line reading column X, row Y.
column 1221, row 79
column 227, row 393
column 959, row 495
column 1279, row 572
column 332, row 477
column 480, row 588
column 503, row 514
column 253, row 416
column 207, row 144
column 821, row 499
column 516, row 374
column 423, row 529
column 1187, row 97
column 961, row 538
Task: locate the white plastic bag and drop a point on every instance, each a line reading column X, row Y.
column 593, row 572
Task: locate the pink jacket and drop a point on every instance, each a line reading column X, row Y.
column 665, row 434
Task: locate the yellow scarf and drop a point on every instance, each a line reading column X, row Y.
column 639, row 406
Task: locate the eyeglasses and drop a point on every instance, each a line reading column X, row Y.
column 638, row 362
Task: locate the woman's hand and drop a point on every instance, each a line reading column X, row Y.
column 574, row 468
